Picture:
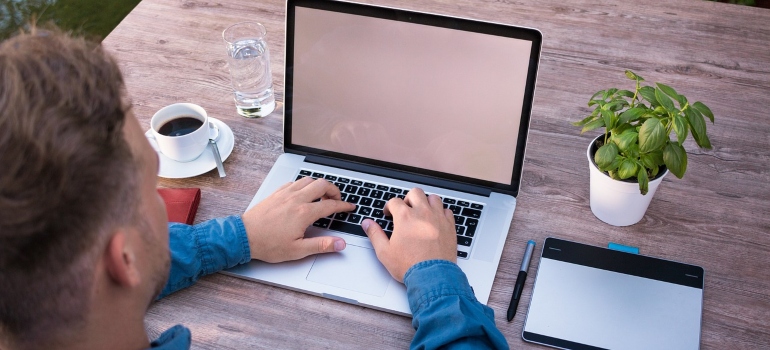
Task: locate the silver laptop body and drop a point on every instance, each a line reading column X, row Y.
column 381, row 100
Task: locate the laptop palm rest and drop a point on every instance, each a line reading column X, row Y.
column 355, row 268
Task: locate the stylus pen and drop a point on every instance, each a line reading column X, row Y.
column 519, row 286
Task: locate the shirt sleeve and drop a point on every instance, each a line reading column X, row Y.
column 203, row 249
column 445, row 311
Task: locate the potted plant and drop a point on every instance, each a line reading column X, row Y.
column 637, row 150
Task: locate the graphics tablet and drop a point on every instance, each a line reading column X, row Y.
column 587, row 297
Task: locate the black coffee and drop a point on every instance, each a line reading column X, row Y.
column 179, row 126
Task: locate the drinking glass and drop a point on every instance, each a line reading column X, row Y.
column 249, row 64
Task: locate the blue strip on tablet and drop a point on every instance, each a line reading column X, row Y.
column 623, row 248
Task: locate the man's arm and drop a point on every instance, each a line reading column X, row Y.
column 203, row 249
column 422, row 252
column 271, row 231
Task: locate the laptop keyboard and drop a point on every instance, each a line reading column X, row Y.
column 370, row 198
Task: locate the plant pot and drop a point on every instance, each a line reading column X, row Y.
column 618, row 202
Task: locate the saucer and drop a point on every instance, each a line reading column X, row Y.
column 172, row 169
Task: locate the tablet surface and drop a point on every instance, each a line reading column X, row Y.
column 587, row 297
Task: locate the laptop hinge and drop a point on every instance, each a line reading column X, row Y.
column 400, row 175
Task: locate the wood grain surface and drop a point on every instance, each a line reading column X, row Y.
column 716, row 216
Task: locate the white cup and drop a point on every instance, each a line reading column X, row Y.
column 183, row 148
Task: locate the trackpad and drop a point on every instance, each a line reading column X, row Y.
column 354, row 268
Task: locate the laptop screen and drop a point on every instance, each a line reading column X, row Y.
column 443, row 99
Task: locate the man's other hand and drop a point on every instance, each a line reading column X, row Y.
column 424, row 230
column 276, row 226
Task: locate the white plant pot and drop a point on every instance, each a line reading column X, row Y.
column 618, row 203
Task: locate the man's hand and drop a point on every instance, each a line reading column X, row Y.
column 276, row 226
column 424, row 230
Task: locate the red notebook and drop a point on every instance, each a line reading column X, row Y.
column 181, row 203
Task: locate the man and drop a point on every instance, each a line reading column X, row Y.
column 84, row 241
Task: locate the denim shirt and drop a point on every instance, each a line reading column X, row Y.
column 444, row 308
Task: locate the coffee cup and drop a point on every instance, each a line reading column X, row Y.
column 181, row 131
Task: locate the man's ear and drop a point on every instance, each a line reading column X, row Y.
column 120, row 261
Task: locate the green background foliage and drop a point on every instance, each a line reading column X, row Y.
column 95, row 18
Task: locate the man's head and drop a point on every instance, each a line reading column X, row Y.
column 75, row 173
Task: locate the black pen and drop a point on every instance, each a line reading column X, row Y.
column 519, row 286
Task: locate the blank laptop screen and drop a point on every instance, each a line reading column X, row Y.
column 427, row 97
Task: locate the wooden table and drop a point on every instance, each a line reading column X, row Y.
column 716, row 217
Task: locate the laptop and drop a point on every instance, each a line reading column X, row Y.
column 381, row 100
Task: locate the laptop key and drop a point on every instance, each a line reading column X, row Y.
column 318, row 175
column 369, row 185
column 352, row 199
column 298, row 177
column 472, row 223
column 366, row 201
column 382, row 223
column 330, row 177
column 382, row 187
column 343, row 196
column 471, row 213
column 341, row 216
column 356, row 182
column 462, row 254
column 463, row 203
column 305, row 172
column 390, row 226
column 365, row 211
column 341, row 186
column 462, row 240
column 450, row 201
column 379, row 204
column 460, row 230
column 388, row 196
column 477, row 206
column 343, row 180
column 455, row 209
column 470, row 230
column 395, row 190
column 322, row 222
column 351, row 189
column 347, row 228
column 459, row 220
column 354, row 218
column 378, row 213
column 377, row 194
column 363, row 191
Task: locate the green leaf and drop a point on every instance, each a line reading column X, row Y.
column 627, row 169
column 643, row 181
column 675, row 158
column 632, row 114
column 605, row 155
column 698, row 128
column 584, row 121
column 700, row 107
column 616, row 105
column 621, row 128
column 648, row 93
column 597, row 94
column 671, row 92
column 626, row 93
column 626, row 139
column 652, row 135
column 664, row 100
column 593, row 125
column 652, row 160
column 608, row 118
column 680, row 127
column 609, row 92
column 633, row 76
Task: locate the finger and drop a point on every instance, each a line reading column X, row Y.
column 330, row 206
column 301, row 183
column 317, row 189
column 316, row 245
column 379, row 240
column 394, row 205
column 449, row 215
column 435, row 202
column 416, row 197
